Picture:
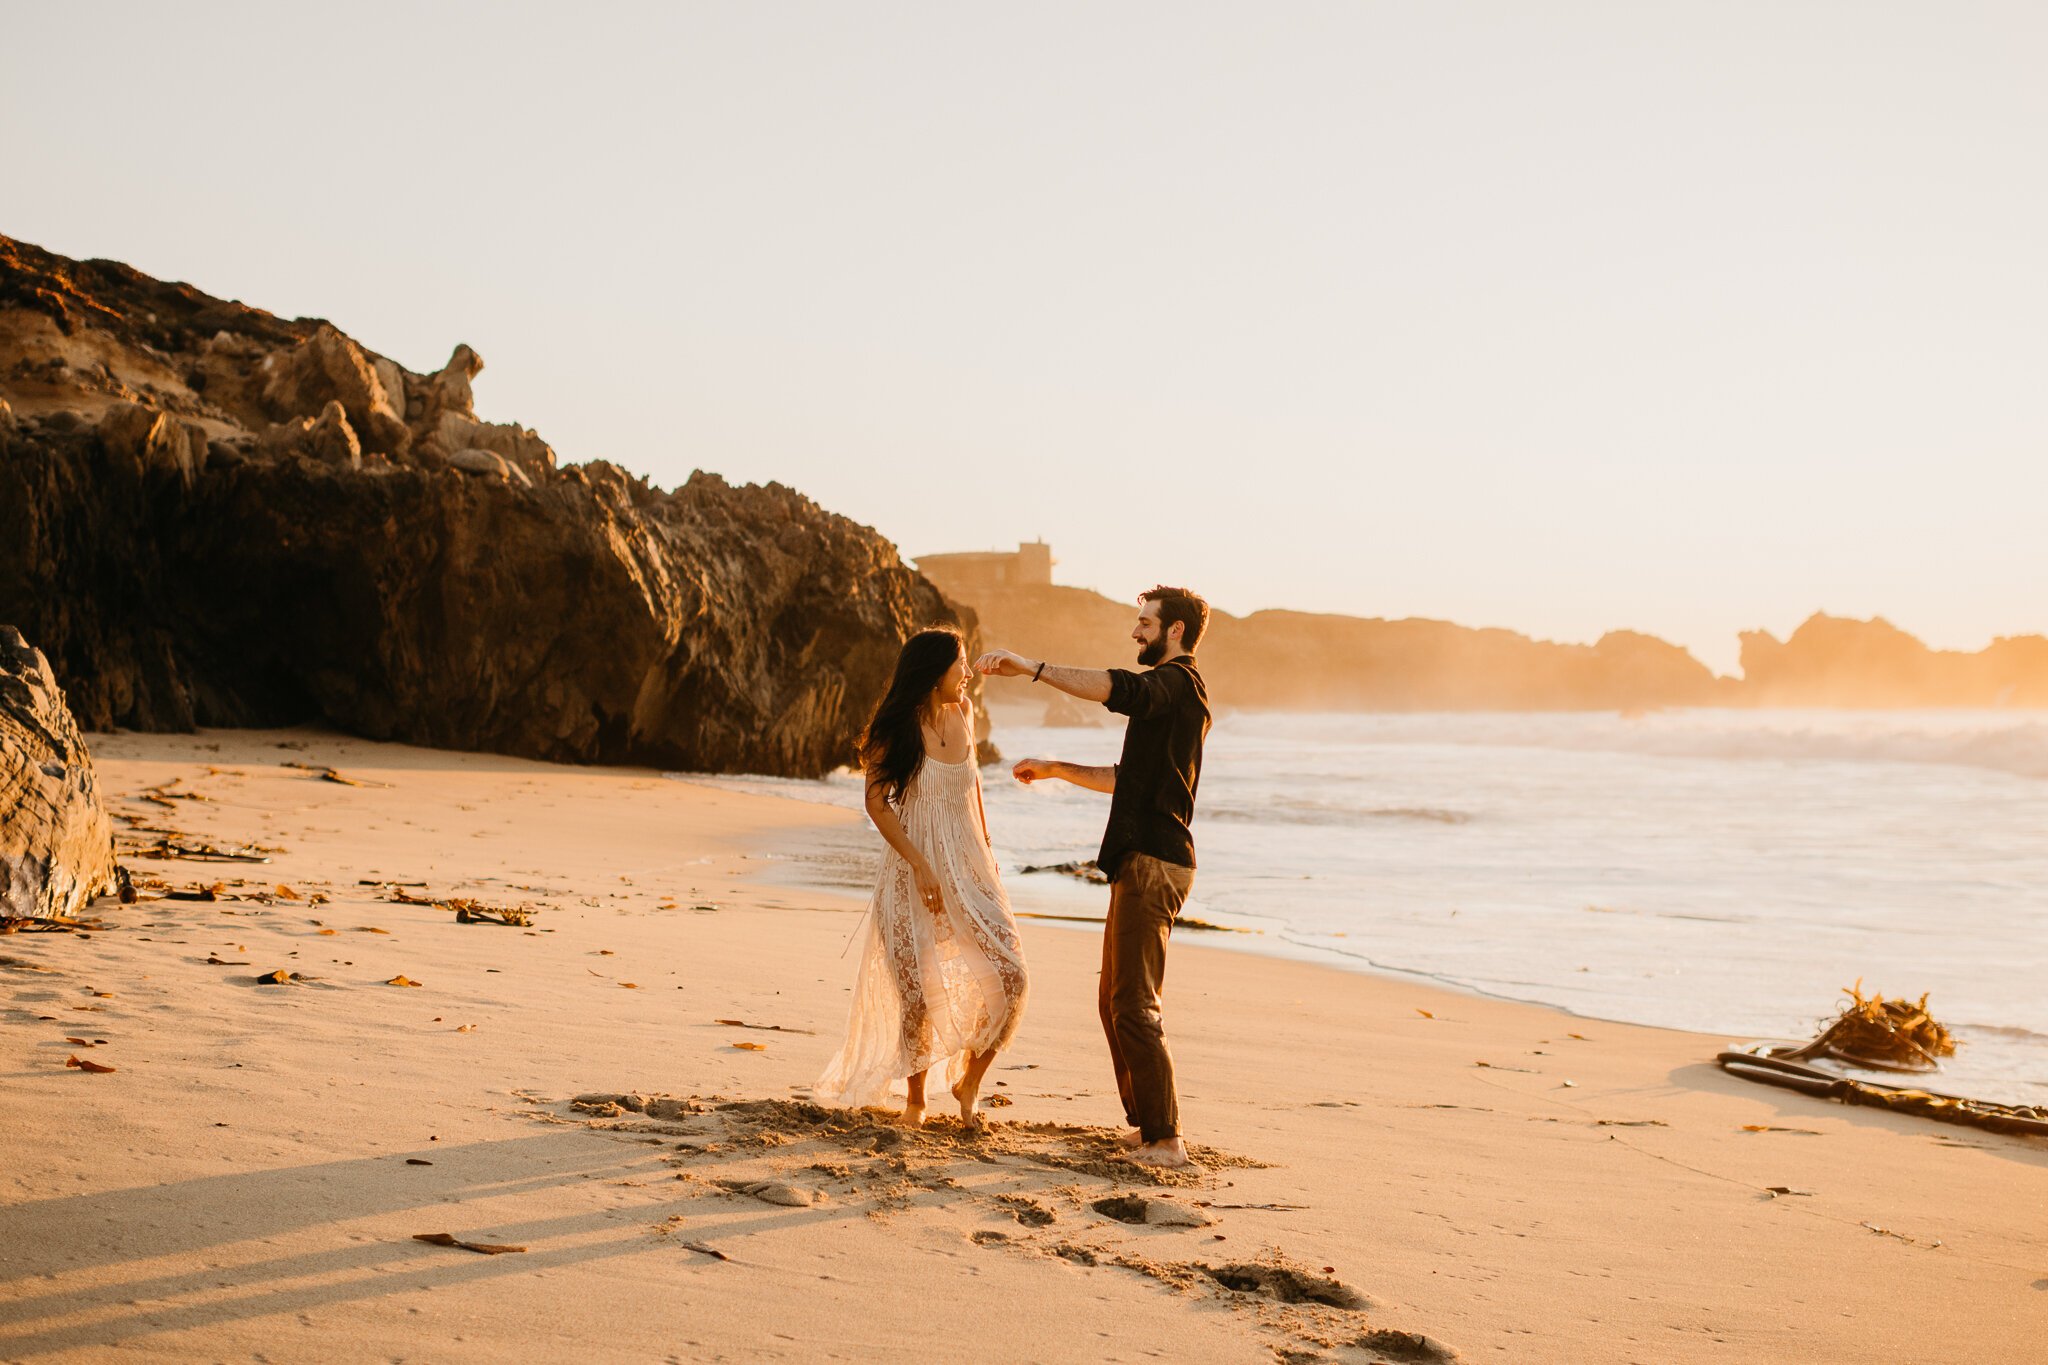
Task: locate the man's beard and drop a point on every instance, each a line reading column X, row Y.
column 1149, row 655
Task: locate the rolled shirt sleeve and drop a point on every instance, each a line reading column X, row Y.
column 1144, row 695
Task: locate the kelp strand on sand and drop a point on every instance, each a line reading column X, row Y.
column 2020, row 1119
column 467, row 910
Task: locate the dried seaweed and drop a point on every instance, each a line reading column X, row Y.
column 1775, row 1068
column 448, row 1239
column 1881, row 1034
column 469, row 911
column 326, row 774
column 167, row 848
column 46, row 924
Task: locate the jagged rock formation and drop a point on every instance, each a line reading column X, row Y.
column 1297, row 660
column 213, row 516
column 1832, row 661
column 56, row 843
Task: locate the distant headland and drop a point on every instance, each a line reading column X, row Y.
column 1305, row 661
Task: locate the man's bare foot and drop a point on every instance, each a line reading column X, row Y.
column 1171, row 1153
column 1132, row 1139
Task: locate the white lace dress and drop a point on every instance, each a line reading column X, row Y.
column 933, row 989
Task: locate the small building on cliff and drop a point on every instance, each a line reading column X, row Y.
column 965, row 577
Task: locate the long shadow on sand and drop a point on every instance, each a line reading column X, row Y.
column 45, row 1243
column 1795, row 1107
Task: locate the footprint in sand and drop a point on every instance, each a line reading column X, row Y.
column 1136, row 1208
column 776, row 1192
column 1027, row 1210
column 872, row 1160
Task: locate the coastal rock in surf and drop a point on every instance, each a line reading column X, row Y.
column 184, row 532
column 56, row 843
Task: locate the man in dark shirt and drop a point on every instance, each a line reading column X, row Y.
column 1148, row 852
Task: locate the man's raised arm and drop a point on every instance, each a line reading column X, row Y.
column 1102, row 779
column 1089, row 684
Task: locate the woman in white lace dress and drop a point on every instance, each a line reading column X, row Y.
column 941, row 983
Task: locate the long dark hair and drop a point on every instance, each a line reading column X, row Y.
column 892, row 747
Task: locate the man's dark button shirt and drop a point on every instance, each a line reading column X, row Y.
column 1161, row 765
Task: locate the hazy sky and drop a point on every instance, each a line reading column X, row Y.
column 1688, row 318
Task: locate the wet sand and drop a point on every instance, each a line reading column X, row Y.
column 1386, row 1171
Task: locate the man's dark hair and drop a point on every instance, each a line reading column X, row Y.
column 1179, row 604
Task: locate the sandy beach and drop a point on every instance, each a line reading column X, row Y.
column 1385, row 1171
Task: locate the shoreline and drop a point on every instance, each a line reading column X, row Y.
column 796, row 871
column 1221, row 938
column 1506, row 1178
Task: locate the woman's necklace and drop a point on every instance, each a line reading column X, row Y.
column 933, row 728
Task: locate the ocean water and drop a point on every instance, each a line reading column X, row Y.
column 1722, row 871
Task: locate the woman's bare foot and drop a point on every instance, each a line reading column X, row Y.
column 913, row 1103
column 967, row 1089
column 1171, row 1153
column 970, row 1102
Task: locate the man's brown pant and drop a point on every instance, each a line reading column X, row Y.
column 1143, row 901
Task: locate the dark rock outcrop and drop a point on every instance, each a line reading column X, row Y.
column 56, row 843
column 211, row 516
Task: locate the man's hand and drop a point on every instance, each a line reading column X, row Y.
column 1102, row 779
column 1001, row 663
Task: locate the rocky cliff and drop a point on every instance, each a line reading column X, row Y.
column 213, row 516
